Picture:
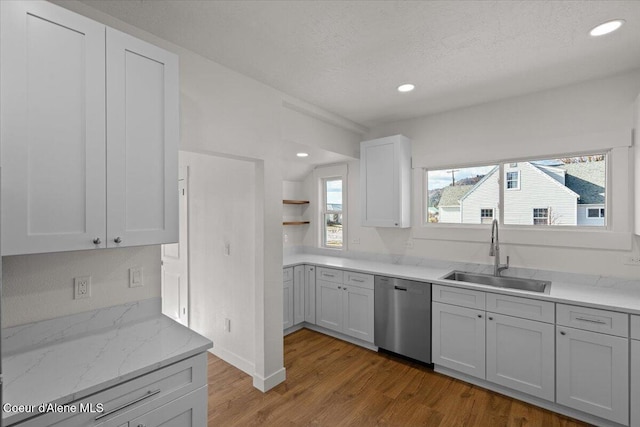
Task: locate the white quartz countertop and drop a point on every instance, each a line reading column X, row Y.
column 586, row 290
column 66, row 359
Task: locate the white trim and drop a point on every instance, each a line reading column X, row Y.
column 233, row 359
column 506, row 180
column 266, row 384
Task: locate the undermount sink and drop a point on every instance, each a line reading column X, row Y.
column 531, row 285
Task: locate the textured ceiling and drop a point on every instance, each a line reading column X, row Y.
column 348, row 57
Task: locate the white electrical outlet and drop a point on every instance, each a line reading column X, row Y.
column 227, row 325
column 632, row 260
column 136, row 277
column 81, row 287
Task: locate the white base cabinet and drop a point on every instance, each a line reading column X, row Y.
column 298, row 294
column 287, row 298
column 310, row 294
column 635, row 383
column 458, row 338
column 593, row 373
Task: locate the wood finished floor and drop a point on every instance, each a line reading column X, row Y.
column 334, row 383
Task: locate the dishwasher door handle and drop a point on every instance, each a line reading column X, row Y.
column 399, row 288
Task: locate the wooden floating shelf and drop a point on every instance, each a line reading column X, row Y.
column 295, row 222
column 295, row 202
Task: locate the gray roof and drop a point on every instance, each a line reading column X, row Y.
column 451, row 195
column 588, row 180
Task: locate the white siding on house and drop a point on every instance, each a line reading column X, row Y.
column 450, row 214
column 584, row 220
column 538, row 190
column 484, row 196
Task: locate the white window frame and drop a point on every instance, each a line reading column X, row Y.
column 320, row 175
column 492, row 217
column 324, row 212
column 507, row 180
column 615, row 235
column 545, row 217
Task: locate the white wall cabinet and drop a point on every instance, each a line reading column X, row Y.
column 521, row 355
column 385, row 182
column 344, row 303
column 84, row 109
column 458, row 338
column 592, row 373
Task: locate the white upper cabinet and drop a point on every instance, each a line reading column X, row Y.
column 89, row 134
column 142, row 142
column 53, row 129
column 385, row 182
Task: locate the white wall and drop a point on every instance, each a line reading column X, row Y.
column 40, row 287
column 586, row 116
column 222, row 212
column 293, row 235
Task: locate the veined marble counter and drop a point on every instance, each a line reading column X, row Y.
column 68, row 358
column 587, row 290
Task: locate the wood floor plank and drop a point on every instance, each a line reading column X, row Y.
column 334, row 383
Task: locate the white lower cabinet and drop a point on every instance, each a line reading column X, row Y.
column 310, row 294
column 458, row 338
column 592, row 373
column 298, row 294
column 520, row 355
column 187, row 411
column 635, row 383
column 344, row 307
column 287, row 298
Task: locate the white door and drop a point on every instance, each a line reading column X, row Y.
column 458, row 338
column 521, row 355
column 310, row 294
column 592, row 373
column 298, row 294
column 175, row 262
column 329, row 305
column 287, row 304
column 53, row 129
column 358, row 312
column 635, row 383
column 142, row 142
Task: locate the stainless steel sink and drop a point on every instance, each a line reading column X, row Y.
column 531, row 285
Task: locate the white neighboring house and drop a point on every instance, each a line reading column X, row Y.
column 571, row 194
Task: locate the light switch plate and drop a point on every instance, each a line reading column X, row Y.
column 136, row 277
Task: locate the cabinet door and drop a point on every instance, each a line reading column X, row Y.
column 298, row 294
column 329, row 305
column 310, row 294
column 187, row 411
column 53, row 129
column 459, row 338
column 287, row 304
column 521, row 355
column 635, row 383
column 358, row 312
column 142, row 142
column 592, row 373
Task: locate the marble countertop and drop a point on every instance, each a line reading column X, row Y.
column 66, row 359
column 587, row 290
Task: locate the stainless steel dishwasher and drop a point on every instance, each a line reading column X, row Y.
column 403, row 317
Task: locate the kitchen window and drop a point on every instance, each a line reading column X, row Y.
column 331, row 196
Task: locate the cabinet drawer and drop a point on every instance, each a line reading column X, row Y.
column 329, row 274
column 635, row 327
column 358, row 279
column 132, row 398
column 287, row 274
column 591, row 319
column 459, row 296
column 525, row 308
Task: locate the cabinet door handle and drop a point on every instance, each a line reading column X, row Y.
column 328, row 275
column 398, row 288
column 563, row 333
column 358, row 280
column 344, row 289
column 126, row 405
column 480, row 316
column 117, row 240
column 339, row 287
column 490, row 318
column 97, row 241
column 584, row 319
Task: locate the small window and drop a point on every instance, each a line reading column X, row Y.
column 540, row 216
column 486, row 216
column 332, row 236
column 513, row 180
column 595, row 213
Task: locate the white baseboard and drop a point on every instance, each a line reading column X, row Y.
column 266, row 384
column 233, row 359
column 340, row 336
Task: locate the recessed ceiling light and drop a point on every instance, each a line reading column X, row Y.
column 407, row 87
column 302, row 154
column 606, row 27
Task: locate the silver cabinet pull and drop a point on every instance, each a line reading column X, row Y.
column 328, row 275
column 399, row 288
column 358, row 280
column 563, row 333
column 97, row 241
column 117, row 240
column 126, row 405
column 490, row 318
column 584, row 319
column 480, row 316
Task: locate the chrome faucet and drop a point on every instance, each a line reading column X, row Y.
column 494, row 251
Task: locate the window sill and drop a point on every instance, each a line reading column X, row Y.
column 578, row 238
